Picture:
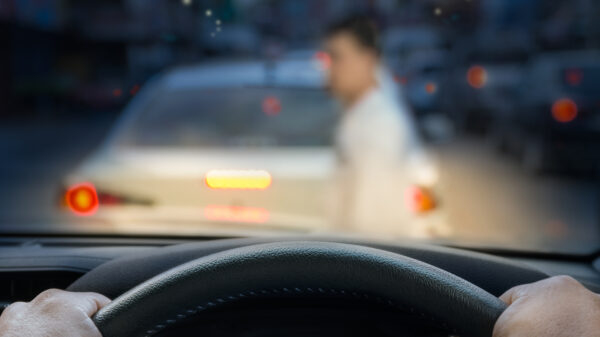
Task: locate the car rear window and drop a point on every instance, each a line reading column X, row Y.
column 234, row 117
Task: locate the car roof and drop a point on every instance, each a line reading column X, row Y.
column 281, row 73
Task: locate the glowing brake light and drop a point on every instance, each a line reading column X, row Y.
column 564, row 110
column 271, row 106
column 82, row 199
column 574, row 77
column 419, row 200
column 236, row 214
column 430, row 88
column 477, row 77
column 238, row 179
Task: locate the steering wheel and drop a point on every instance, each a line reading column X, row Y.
column 301, row 269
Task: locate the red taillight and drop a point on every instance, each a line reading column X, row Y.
column 419, row 200
column 430, row 88
column 82, row 199
column 574, row 77
column 564, row 110
column 477, row 77
column 271, row 106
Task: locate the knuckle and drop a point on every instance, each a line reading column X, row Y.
column 565, row 280
column 49, row 293
column 48, row 297
column 14, row 308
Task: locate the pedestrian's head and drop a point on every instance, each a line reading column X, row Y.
column 353, row 45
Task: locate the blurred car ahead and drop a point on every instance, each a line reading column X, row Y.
column 556, row 125
column 478, row 95
column 230, row 146
column 422, row 78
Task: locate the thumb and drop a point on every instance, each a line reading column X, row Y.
column 511, row 295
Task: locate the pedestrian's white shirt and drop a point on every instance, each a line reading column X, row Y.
column 373, row 145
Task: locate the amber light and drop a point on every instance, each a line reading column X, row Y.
column 564, row 110
column 419, row 200
column 238, row 179
column 236, row 214
column 477, row 77
column 431, row 88
column 82, row 199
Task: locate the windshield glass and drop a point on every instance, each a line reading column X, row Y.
column 232, row 117
column 471, row 123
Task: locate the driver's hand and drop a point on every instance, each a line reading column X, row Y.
column 555, row 307
column 53, row 313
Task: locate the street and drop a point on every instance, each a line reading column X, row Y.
column 492, row 201
column 489, row 201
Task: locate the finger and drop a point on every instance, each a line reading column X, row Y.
column 511, row 295
column 89, row 303
column 101, row 300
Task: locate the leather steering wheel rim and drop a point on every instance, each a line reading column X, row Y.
column 299, row 269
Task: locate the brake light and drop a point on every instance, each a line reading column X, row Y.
column 564, row 110
column 271, row 106
column 430, row 88
column 419, row 200
column 82, row 199
column 574, row 77
column 238, row 179
column 236, row 214
column 477, row 77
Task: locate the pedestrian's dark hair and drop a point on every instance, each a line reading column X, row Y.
column 362, row 28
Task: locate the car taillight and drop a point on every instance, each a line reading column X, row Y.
column 419, row 200
column 477, row 77
column 271, row 106
column 238, row 179
column 82, row 199
column 574, row 77
column 564, row 110
column 430, row 88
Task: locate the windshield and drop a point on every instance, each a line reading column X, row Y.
column 231, row 117
column 471, row 123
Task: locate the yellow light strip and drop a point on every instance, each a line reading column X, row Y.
column 238, row 179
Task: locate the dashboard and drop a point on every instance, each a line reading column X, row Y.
column 112, row 266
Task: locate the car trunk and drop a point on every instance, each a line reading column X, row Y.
column 169, row 184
